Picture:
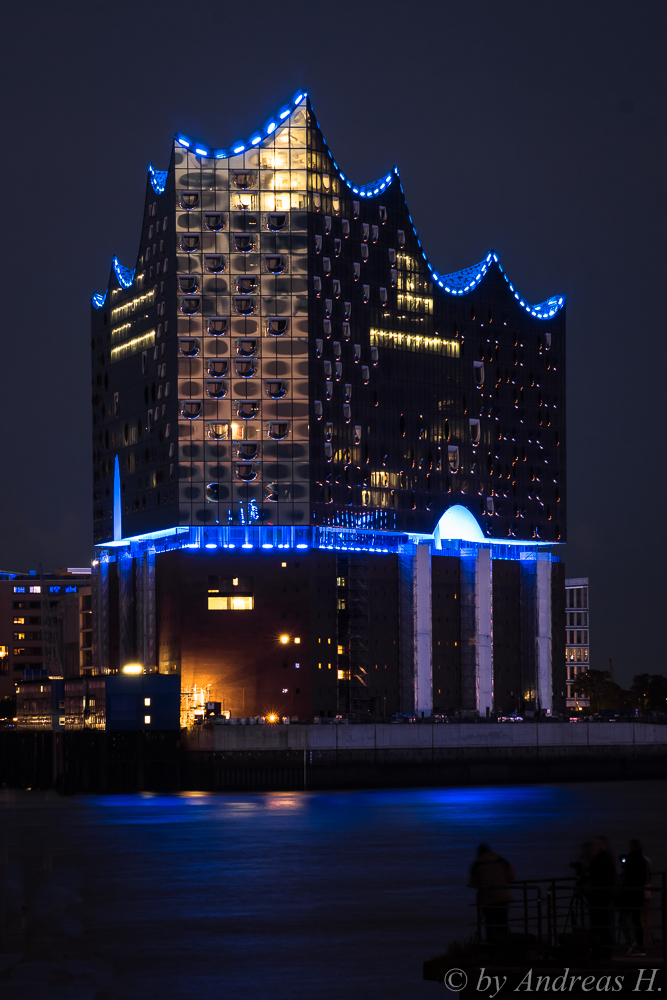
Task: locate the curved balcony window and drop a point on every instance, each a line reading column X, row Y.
column 326, row 264
column 318, row 408
column 394, row 277
column 392, row 258
column 365, row 374
column 217, row 325
column 346, row 330
column 274, row 263
column 328, row 390
column 247, row 284
column 214, row 263
column 475, row 431
column 245, row 471
column 357, row 271
column 375, row 357
column 336, row 348
column 247, row 451
column 364, row 252
column 328, row 431
column 383, row 296
column 346, row 227
column 479, row 372
column 338, row 244
column 275, row 388
column 188, row 200
column 214, row 221
column 336, row 288
column 278, row 430
column 217, row 367
column 218, row 431
column 317, row 285
column 245, row 369
column 246, row 348
column 188, row 283
column 327, row 370
column 347, row 412
column 383, row 214
column 216, row 389
column 243, row 179
column 213, row 492
column 271, row 492
column 453, row 457
column 401, row 238
column 327, row 307
column 244, row 242
column 326, row 325
column 191, row 409
column 328, row 451
column 188, row 347
column 245, row 306
column 246, row 409
column 189, row 242
column 275, row 221
column 318, row 245
column 338, row 370
column 276, row 326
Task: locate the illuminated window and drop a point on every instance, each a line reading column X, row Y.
column 147, row 720
column 231, row 603
column 19, row 590
column 341, row 650
column 35, row 590
column 284, row 690
column 147, row 702
column 343, row 675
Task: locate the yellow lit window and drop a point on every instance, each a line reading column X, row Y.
column 231, row 603
column 19, row 621
column 297, row 640
column 4, row 651
column 343, row 675
column 147, row 720
column 147, row 702
column 283, row 565
column 341, row 650
column 319, row 666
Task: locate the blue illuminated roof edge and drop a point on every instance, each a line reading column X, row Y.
column 457, row 283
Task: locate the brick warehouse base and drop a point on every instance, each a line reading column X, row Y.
column 294, row 758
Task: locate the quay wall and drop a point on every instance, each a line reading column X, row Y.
column 219, row 758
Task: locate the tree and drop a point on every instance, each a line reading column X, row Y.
column 650, row 691
column 601, row 692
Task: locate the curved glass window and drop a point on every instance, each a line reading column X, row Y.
column 275, row 388
column 191, row 408
column 217, row 431
column 217, row 325
column 244, row 306
column 188, row 347
column 188, row 283
column 244, row 242
column 189, row 242
column 247, row 408
column 216, row 389
column 217, row 367
column 479, row 372
column 247, row 451
column 453, row 455
column 214, row 263
column 271, row 492
column 189, row 200
column 245, row 369
column 246, row 472
column 213, row 492
column 276, row 326
column 475, row 431
column 214, row 221
column 243, row 179
column 276, row 221
column 274, row 263
column 246, row 348
column 246, row 284
column 278, row 430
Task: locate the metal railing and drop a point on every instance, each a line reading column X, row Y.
column 548, row 909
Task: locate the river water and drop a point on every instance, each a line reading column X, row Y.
column 285, row 895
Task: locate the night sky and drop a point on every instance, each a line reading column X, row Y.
column 537, row 129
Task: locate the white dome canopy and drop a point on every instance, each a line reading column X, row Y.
column 458, row 523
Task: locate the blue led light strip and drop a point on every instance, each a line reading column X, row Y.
column 158, row 179
column 456, row 284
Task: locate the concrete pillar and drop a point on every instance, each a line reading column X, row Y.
column 543, row 632
column 422, row 630
column 484, row 630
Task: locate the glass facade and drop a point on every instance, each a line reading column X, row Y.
column 284, row 354
column 577, row 650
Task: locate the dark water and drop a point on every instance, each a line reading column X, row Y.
column 276, row 895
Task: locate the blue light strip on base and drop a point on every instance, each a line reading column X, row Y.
column 269, row 539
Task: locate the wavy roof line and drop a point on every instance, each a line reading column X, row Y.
column 457, row 283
